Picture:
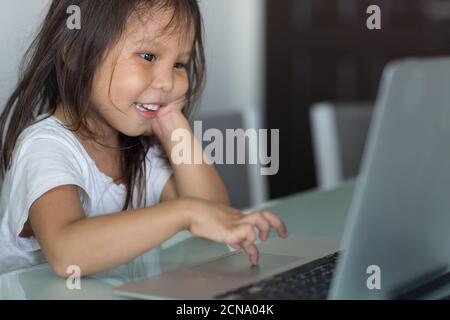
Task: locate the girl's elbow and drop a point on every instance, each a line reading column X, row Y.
column 61, row 268
column 63, row 263
column 65, row 270
column 60, row 271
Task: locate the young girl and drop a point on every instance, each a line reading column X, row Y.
column 86, row 137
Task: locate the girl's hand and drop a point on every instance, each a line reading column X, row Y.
column 168, row 119
column 174, row 106
column 220, row 223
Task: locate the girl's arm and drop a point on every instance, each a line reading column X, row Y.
column 99, row 243
column 95, row 244
column 192, row 179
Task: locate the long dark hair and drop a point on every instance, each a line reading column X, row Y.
column 59, row 66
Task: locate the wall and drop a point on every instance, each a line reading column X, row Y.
column 18, row 22
column 235, row 53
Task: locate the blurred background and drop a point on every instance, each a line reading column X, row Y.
column 310, row 68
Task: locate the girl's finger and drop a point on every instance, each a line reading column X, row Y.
column 242, row 234
column 250, row 235
column 258, row 220
column 275, row 222
column 245, row 236
column 252, row 252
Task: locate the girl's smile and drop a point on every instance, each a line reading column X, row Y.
column 148, row 110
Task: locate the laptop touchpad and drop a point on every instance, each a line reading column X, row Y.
column 238, row 264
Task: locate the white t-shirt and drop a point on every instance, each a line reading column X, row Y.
column 48, row 155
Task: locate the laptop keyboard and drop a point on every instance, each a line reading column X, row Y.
column 310, row 281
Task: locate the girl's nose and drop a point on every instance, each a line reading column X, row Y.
column 163, row 79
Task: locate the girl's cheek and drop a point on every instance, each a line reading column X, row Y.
column 132, row 83
column 138, row 79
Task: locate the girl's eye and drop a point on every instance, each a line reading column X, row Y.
column 148, row 56
column 179, row 65
column 151, row 58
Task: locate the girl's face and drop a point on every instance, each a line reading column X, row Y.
column 140, row 69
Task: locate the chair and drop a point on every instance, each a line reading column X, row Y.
column 339, row 132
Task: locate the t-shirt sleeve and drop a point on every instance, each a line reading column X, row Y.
column 38, row 165
column 159, row 172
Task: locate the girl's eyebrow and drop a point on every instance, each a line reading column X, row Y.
column 186, row 54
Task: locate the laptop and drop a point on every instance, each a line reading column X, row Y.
column 396, row 242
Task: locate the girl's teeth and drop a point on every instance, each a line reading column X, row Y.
column 147, row 107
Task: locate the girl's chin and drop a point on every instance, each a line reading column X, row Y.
column 137, row 133
column 147, row 132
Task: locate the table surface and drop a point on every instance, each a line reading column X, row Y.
column 315, row 213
